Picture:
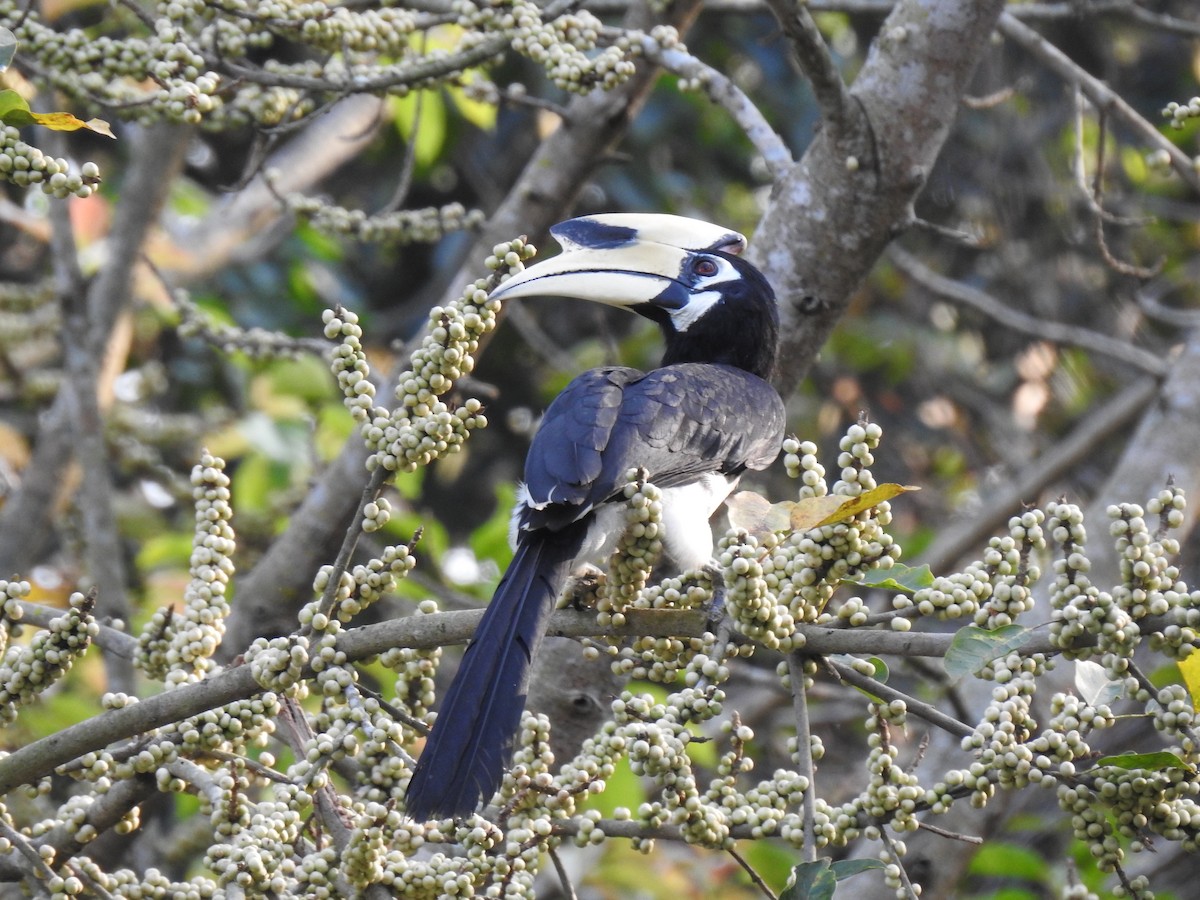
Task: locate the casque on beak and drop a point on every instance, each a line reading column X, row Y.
column 620, row 259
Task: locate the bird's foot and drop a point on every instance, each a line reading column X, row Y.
column 581, row 588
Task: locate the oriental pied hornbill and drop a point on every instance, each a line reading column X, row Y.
column 694, row 425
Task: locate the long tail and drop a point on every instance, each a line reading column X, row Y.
column 472, row 741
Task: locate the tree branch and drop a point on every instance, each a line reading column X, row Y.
column 43, row 756
column 721, row 90
column 815, row 61
column 1100, row 94
column 1056, row 332
column 831, row 217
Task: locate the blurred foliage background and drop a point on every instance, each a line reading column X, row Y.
column 968, row 406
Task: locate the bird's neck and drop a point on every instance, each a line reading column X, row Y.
column 743, row 348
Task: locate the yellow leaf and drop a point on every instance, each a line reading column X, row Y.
column 100, row 127
column 756, row 515
column 63, row 121
column 1189, row 668
column 838, row 509
column 813, row 512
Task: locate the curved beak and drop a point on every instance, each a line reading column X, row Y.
column 625, row 276
column 621, row 259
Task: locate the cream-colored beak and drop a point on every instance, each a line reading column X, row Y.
column 621, row 259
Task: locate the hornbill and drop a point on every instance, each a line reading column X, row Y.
column 694, row 425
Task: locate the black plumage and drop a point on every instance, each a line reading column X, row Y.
column 694, row 425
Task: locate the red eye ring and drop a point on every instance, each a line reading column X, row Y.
column 706, row 268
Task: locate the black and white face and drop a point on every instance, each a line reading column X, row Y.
column 681, row 273
column 704, row 280
column 630, row 260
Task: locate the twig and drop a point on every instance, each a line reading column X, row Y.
column 408, row 164
column 1149, row 297
column 896, row 858
column 754, row 876
column 957, row 235
column 1102, row 96
column 1147, row 685
column 1092, row 193
column 564, row 877
column 1095, row 193
column 952, row 835
column 111, row 640
column 815, row 61
column 369, row 493
column 918, row 708
column 721, row 90
column 1058, row 332
column 804, row 759
column 989, row 101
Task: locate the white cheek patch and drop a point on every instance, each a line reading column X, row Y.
column 682, row 319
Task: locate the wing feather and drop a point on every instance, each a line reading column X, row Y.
column 678, row 423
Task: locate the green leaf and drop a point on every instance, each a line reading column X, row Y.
column 818, row 880
column 1155, row 762
column 811, row 881
column 1000, row 860
column 421, row 120
column 847, row 868
column 8, row 48
column 906, row 579
column 14, row 110
column 973, row 647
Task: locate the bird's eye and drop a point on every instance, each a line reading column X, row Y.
column 706, row 268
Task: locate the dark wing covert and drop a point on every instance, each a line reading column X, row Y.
column 677, row 423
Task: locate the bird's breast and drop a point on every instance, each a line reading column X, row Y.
column 686, row 513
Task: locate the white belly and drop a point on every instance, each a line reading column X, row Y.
column 687, row 535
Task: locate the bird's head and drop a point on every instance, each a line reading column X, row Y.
column 683, row 274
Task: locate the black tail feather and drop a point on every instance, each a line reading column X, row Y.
column 472, row 740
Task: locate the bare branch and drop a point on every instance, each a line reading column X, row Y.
column 749, row 870
column 722, row 91
column 1058, row 332
column 1101, row 95
column 926, row 711
column 815, row 61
